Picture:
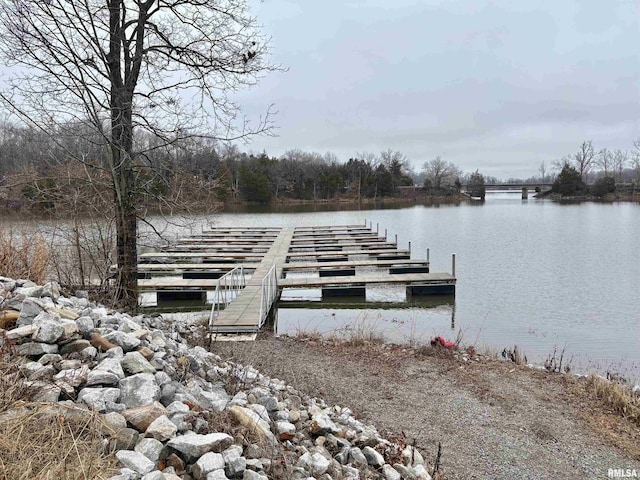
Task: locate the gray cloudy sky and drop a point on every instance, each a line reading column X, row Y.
column 495, row 85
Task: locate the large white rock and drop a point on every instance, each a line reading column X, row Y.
column 138, row 390
column 315, row 463
column 49, row 328
column 111, row 365
column 373, row 457
column 134, row 362
column 420, row 472
column 252, row 420
column 161, row 429
column 96, row 398
column 390, row 473
column 127, row 341
column 155, row 475
column 150, row 448
column 21, row 332
column 206, row 464
column 321, row 423
column 74, row 377
column 36, row 349
column 135, row 461
column 101, row 377
column 31, row 308
column 195, row 445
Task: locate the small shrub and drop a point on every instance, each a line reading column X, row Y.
column 603, row 185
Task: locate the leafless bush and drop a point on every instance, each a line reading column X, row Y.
column 515, row 355
column 24, row 255
column 554, row 361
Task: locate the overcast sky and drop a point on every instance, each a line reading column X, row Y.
column 498, row 86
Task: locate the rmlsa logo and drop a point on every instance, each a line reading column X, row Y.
column 622, row 473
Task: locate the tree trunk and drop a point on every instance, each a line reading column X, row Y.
column 121, row 104
column 126, row 244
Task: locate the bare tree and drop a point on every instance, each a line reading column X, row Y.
column 543, row 171
column 583, row 159
column 605, row 160
column 398, row 166
column 635, row 157
column 440, row 174
column 164, row 67
column 620, row 159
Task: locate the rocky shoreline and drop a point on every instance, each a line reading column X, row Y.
column 171, row 411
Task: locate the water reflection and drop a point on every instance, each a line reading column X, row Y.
column 406, row 325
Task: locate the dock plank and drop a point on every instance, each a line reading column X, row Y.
column 243, row 300
column 352, row 263
column 243, row 313
column 309, row 282
column 383, row 251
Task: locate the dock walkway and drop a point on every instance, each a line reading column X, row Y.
column 331, row 252
column 244, row 312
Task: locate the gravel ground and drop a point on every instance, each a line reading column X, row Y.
column 494, row 420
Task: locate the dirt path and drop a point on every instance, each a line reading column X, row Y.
column 494, row 420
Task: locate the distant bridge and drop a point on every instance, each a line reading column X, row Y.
column 538, row 186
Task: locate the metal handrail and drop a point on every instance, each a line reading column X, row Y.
column 228, row 287
column 269, row 292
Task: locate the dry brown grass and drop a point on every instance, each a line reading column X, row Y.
column 43, row 441
column 359, row 333
column 617, row 396
column 24, row 256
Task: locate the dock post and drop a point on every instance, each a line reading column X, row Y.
column 453, row 264
column 427, row 254
column 409, row 247
column 377, row 227
column 525, row 193
column 385, row 233
column 396, row 239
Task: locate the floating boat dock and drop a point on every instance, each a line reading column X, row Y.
column 247, row 268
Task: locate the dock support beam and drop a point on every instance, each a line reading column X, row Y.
column 175, row 296
column 422, row 289
column 351, row 291
column 337, row 272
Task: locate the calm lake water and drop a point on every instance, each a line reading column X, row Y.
column 533, row 273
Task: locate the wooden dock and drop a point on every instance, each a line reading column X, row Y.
column 344, row 257
column 243, row 313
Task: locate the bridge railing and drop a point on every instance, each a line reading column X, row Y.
column 269, row 293
column 228, row 287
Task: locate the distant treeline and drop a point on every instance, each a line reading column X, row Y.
column 68, row 168
column 40, row 169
